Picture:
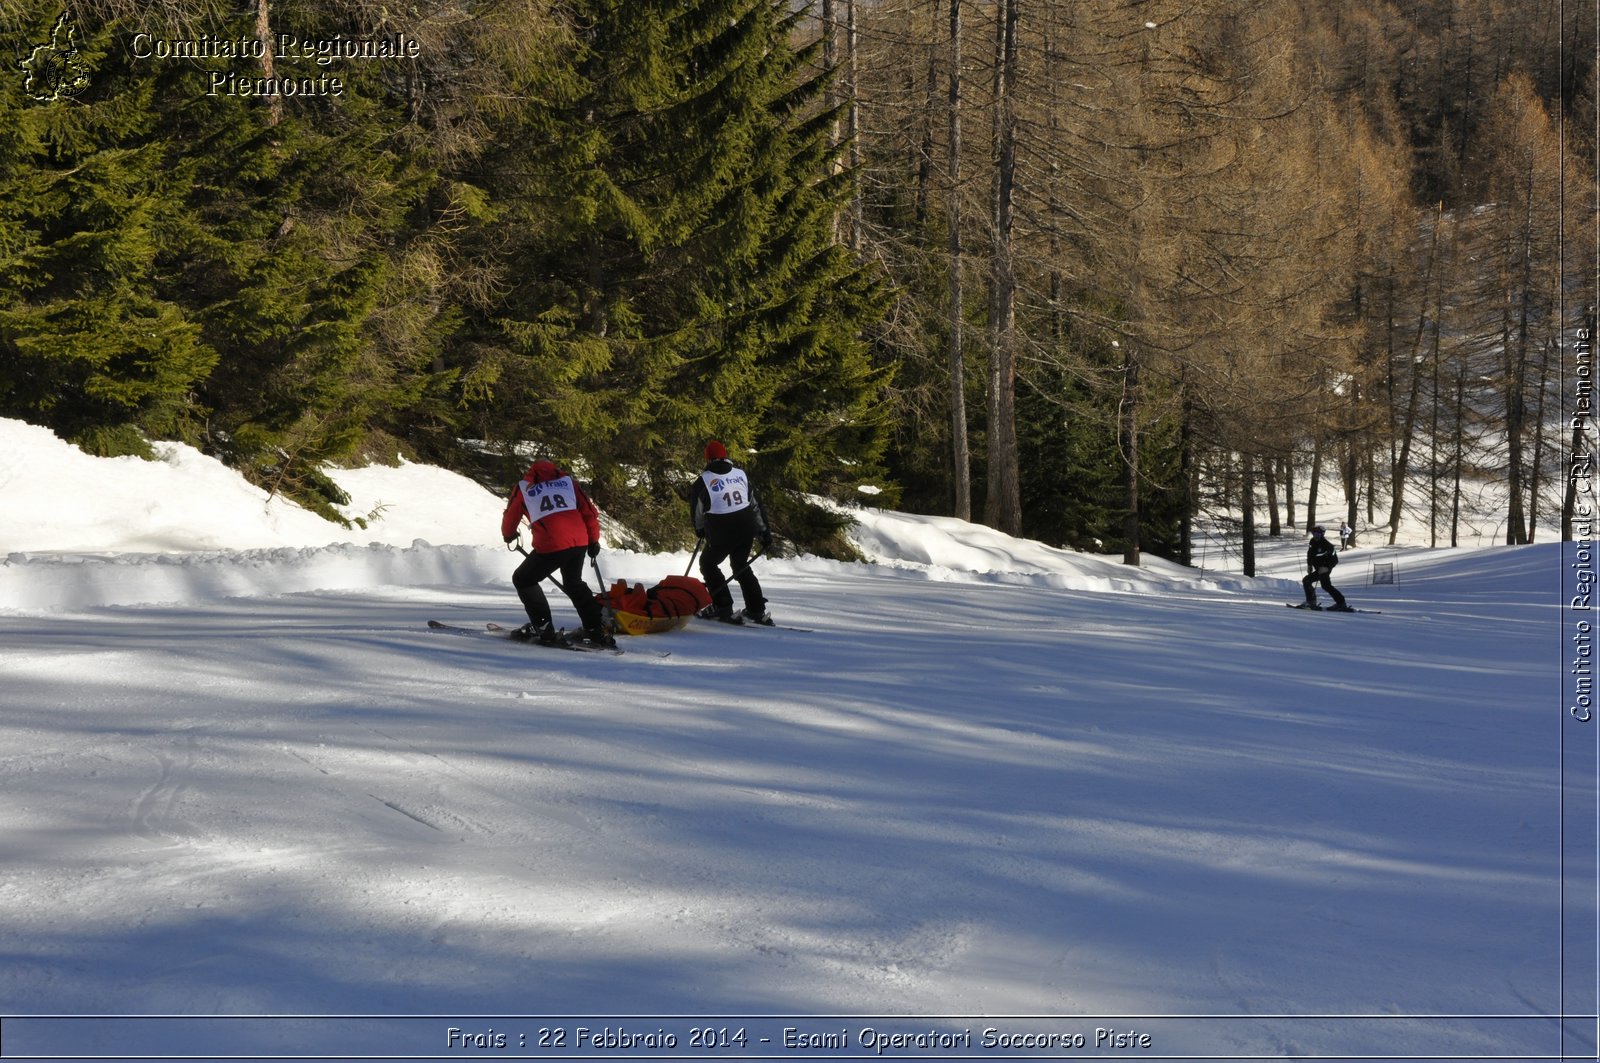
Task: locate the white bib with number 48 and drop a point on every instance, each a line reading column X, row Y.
column 549, row 498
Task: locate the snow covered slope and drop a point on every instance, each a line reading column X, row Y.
column 994, row 780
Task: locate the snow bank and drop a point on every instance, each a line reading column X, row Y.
column 948, row 549
column 56, row 498
column 78, row 532
column 45, row 583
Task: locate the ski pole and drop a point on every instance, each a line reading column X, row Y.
column 519, row 548
column 747, row 563
column 605, row 600
column 698, row 543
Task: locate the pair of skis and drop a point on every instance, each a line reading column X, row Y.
column 740, row 620
column 497, row 631
column 1328, row 608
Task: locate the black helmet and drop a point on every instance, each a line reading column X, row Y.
column 1319, row 530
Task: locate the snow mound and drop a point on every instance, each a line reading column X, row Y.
column 77, row 532
column 56, row 498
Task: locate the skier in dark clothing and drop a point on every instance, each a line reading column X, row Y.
column 566, row 526
column 1321, row 556
column 727, row 515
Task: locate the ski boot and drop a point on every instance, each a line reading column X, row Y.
column 544, row 634
column 597, row 636
column 756, row 616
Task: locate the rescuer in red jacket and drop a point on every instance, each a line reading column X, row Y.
column 566, row 526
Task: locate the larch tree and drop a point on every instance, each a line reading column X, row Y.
column 1527, row 262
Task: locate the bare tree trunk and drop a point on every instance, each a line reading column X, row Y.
column 1402, row 461
column 1516, row 413
column 960, row 453
column 1316, row 483
column 1350, row 468
column 1433, row 445
column 1517, row 333
column 1003, row 501
column 1247, row 506
column 269, row 67
column 1407, row 427
column 1460, row 450
column 830, row 57
column 852, row 120
column 1269, row 473
column 1187, row 474
column 1288, row 491
column 1536, row 470
column 1369, row 467
column 922, row 152
column 830, row 96
column 1130, row 461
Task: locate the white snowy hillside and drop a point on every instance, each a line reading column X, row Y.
column 979, row 798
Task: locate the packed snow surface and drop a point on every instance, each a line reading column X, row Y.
column 995, row 789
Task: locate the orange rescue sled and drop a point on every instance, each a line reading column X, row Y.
column 672, row 603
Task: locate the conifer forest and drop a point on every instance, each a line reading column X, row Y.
column 1088, row 271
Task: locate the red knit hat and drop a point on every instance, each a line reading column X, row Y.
column 715, row 450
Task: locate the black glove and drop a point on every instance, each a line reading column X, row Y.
column 594, row 549
column 766, row 543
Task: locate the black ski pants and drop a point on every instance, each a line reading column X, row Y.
column 538, row 567
column 723, row 544
column 1324, row 576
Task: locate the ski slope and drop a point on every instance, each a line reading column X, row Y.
column 995, row 781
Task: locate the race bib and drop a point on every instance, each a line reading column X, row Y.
column 729, row 491
column 549, row 497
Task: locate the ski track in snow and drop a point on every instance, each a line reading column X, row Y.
column 923, row 805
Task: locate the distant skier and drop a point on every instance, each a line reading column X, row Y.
column 1345, row 533
column 1320, row 559
column 726, row 514
column 566, row 526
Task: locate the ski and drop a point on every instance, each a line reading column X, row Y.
column 456, row 629
column 741, row 620
column 568, row 641
column 497, row 631
column 1330, row 609
column 573, row 641
column 776, row 627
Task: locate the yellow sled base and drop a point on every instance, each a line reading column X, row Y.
column 667, row 606
column 634, row 624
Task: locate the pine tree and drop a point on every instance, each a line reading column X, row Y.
column 247, row 271
column 92, row 346
column 674, row 272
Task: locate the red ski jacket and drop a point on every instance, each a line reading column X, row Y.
column 552, row 502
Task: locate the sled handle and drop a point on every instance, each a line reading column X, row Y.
column 698, row 543
column 516, row 544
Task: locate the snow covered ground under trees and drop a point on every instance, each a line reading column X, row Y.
column 996, row 786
